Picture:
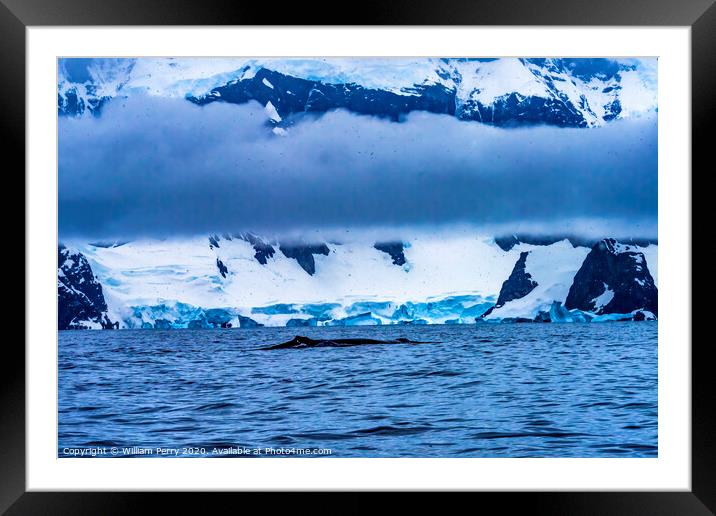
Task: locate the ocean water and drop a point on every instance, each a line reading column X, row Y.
column 486, row 390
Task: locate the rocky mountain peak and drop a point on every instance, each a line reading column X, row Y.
column 614, row 278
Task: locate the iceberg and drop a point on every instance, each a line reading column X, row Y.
column 464, row 309
column 558, row 313
column 302, row 322
column 177, row 315
column 364, row 319
column 280, row 308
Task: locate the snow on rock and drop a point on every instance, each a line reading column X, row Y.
column 80, row 300
column 394, row 250
column 552, row 268
column 651, row 254
column 648, row 248
column 485, row 82
column 644, row 315
column 304, row 254
column 396, row 75
column 614, row 279
column 272, row 113
column 603, row 299
column 519, row 284
column 504, row 91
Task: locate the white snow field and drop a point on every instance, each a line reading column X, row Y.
column 447, row 277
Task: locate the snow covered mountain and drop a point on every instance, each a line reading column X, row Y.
column 246, row 280
column 362, row 277
column 80, row 301
column 503, row 92
column 613, row 278
column 561, row 282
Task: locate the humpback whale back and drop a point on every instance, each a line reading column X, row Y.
column 301, row 342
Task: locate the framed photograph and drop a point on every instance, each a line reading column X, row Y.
column 432, row 250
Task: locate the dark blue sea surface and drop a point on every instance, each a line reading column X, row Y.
column 485, row 390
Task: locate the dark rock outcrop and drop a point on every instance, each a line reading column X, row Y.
column 223, row 269
column 303, row 254
column 394, row 249
column 214, row 241
column 293, row 95
column 516, row 286
column 519, row 284
column 506, row 243
column 72, row 103
column 80, row 301
column 614, row 279
column 515, row 109
column 263, row 250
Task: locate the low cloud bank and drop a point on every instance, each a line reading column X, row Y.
column 153, row 166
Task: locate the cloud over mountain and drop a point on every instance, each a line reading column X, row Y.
column 158, row 166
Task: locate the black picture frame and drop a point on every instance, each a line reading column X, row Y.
column 16, row 15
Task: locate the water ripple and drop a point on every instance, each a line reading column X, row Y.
column 485, row 391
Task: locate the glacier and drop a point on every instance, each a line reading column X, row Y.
column 177, row 315
column 446, row 278
column 553, row 268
